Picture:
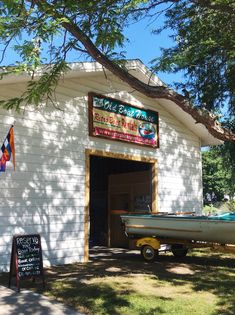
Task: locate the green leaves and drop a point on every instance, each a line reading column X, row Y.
column 12, row 103
column 218, row 170
column 45, row 86
column 35, row 30
column 30, row 52
column 41, row 90
column 204, row 50
column 203, row 32
column 214, row 175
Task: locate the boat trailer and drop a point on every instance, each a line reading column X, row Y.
column 151, row 246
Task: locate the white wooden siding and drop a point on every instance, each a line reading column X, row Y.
column 46, row 192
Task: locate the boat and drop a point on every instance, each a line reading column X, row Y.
column 212, row 228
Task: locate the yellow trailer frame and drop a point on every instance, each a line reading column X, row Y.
column 150, row 246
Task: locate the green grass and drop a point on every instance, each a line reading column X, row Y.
column 202, row 283
column 129, row 295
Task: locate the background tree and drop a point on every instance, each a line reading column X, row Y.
column 227, row 151
column 204, row 38
column 218, row 176
column 40, row 28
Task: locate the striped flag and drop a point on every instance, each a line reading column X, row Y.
column 7, row 150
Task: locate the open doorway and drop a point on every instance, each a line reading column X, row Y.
column 117, row 184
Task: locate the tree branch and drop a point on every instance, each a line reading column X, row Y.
column 156, row 92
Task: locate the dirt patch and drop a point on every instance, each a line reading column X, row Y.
column 182, row 269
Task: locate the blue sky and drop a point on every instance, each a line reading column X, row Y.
column 146, row 46
column 142, row 45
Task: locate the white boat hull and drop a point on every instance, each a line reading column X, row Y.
column 197, row 229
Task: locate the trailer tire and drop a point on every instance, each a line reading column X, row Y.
column 179, row 250
column 149, row 253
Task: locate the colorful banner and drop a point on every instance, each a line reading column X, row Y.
column 7, row 150
column 117, row 120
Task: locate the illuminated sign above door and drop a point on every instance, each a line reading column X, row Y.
column 116, row 120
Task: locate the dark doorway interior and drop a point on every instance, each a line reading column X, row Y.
column 100, row 170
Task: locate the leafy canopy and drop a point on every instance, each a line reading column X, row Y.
column 35, row 30
column 204, row 36
column 47, row 32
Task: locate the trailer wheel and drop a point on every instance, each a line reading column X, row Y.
column 179, row 250
column 149, row 253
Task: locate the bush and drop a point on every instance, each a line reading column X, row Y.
column 210, row 209
column 231, row 205
column 219, row 207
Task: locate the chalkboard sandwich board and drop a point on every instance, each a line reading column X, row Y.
column 26, row 258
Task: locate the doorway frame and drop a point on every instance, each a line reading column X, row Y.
column 121, row 156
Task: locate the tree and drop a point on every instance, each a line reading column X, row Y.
column 227, row 151
column 218, row 175
column 95, row 28
column 205, row 38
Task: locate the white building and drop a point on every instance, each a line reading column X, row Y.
column 70, row 187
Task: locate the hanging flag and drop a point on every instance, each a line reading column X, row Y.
column 7, row 150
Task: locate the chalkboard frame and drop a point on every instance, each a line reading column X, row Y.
column 15, row 268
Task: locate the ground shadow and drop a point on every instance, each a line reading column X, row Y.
column 206, row 271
